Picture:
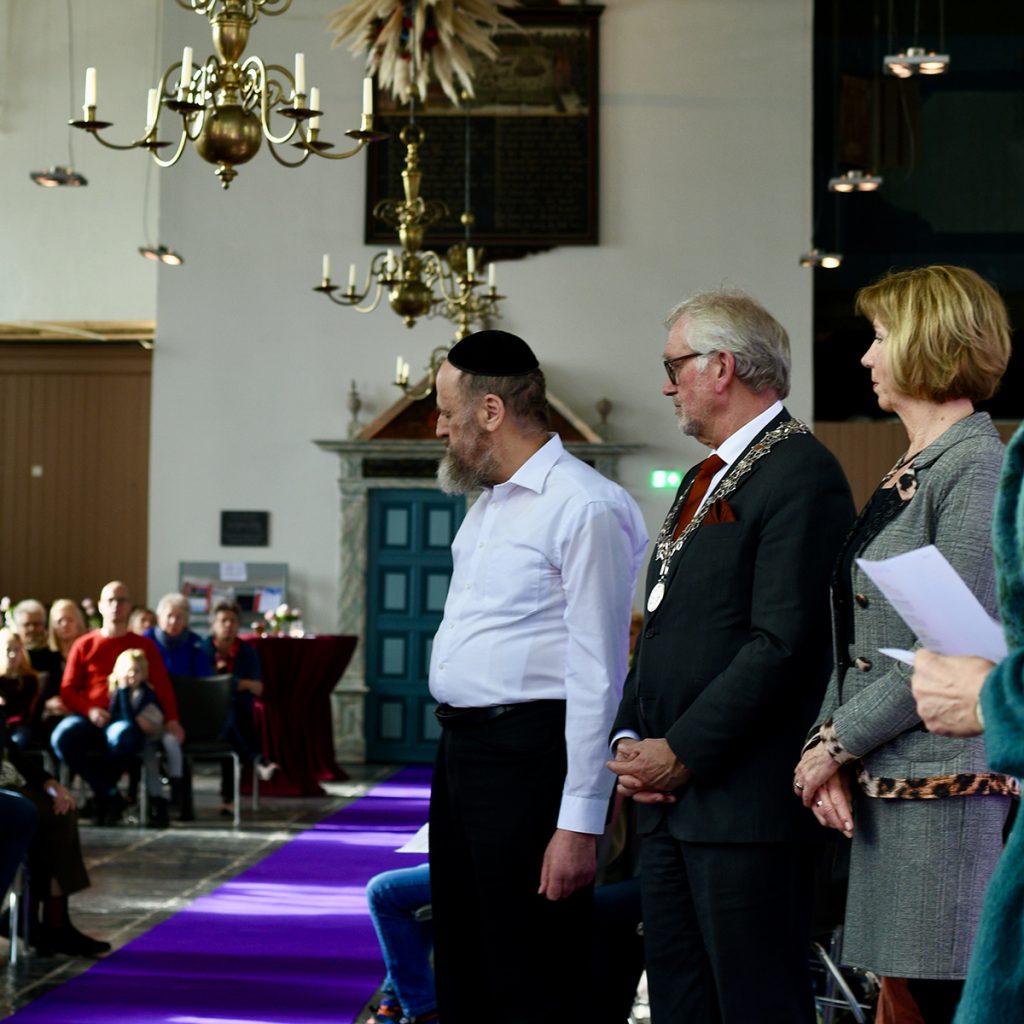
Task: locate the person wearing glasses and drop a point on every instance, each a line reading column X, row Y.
column 729, row 670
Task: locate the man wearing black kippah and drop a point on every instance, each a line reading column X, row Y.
column 527, row 666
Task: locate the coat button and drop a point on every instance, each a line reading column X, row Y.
column 650, row 633
column 862, row 664
column 861, row 600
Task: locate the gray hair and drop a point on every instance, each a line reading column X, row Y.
column 734, row 322
column 26, row 607
column 172, row 601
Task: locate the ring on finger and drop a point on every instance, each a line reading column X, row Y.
column 818, row 803
column 796, row 785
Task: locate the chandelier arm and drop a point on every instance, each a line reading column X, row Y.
column 287, row 163
column 341, row 156
column 264, row 81
column 171, row 160
column 374, row 304
column 94, row 132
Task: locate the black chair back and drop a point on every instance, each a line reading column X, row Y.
column 203, row 706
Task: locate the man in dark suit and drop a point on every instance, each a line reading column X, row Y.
column 729, row 672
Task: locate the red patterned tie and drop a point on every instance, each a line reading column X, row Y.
column 708, row 468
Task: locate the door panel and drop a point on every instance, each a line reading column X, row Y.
column 409, row 566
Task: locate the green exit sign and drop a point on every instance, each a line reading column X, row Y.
column 662, row 479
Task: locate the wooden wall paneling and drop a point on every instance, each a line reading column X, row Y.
column 868, row 449
column 81, row 412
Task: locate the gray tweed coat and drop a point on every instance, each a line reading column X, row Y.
column 919, row 868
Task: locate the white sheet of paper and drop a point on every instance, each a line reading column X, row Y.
column 234, row 572
column 907, row 657
column 418, row 843
column 936, row 604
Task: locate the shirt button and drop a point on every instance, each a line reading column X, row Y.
column 650, row 633
column 861, row 600
column 862, row 664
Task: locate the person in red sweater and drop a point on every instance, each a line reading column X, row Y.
column 80, row 740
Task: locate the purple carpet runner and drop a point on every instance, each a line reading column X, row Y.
column 287, row 942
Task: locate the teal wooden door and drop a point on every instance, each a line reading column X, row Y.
column 408, row 567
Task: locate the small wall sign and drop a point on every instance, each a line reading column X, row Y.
column 245, row 529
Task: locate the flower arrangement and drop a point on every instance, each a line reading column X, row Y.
column 281, row 619
column 408, row 39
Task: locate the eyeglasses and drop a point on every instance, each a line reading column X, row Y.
column 670, row 364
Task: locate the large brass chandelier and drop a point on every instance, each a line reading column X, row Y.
column 420, row 282
column 225, row 103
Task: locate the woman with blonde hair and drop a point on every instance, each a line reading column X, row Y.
column 924, row 813
column 66, row 625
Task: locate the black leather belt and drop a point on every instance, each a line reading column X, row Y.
column 469, row 718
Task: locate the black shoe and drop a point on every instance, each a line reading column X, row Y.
column 181, row 797
column 110, row 809
column 75, row 943
column 159, row 812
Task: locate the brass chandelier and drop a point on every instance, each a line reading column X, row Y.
column 420, row 282
column 225, row 104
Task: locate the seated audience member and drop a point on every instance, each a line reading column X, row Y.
column 30, row 624
column 231, row 656
column 137, row 727
column 406, row 939
column 80, row 740
column 67, row 624
column 18, row 823
column 181, row 649
column 35, row 807
column 141, row 619
column 19, row 689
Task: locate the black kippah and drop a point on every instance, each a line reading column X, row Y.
column 493, row 354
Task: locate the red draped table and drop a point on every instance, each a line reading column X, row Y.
column 295, row 719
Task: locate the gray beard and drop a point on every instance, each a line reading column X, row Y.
column 457, row 476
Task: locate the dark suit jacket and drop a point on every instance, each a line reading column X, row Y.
column 732, row 666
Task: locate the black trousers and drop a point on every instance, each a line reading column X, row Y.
column 727, row 931
column 502, row 953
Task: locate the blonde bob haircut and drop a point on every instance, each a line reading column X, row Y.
column 948, row 332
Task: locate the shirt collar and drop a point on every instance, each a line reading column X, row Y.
column 534, row 471
column 738, row 442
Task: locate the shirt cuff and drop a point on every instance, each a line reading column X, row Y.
column 623, row 734
column 583, row 814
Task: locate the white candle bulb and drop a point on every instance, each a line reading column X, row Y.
column 390, row 265
column 470, row 260
column 405, row 372
column 327, row 266
column 368, row 97
column 492, row 275
column 352, row 277
column 314, row 104
column 300, row 73
column 398, row 369
column 186, row 67
column 152, row 107
column 90, row 87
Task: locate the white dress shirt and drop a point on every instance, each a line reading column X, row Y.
column 538, row 608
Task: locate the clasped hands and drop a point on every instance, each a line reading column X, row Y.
column 824, row 789
column 648, row 770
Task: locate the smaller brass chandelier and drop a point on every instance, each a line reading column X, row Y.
column 420, row 282
column 819, row 258
column 915, row 60
column 225, row 106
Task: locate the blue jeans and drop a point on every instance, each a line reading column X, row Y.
column 98, row 755
column 18, row 820
column 405, row 943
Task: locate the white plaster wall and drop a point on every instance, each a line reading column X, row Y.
column 705, row 180
column 70, row 254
